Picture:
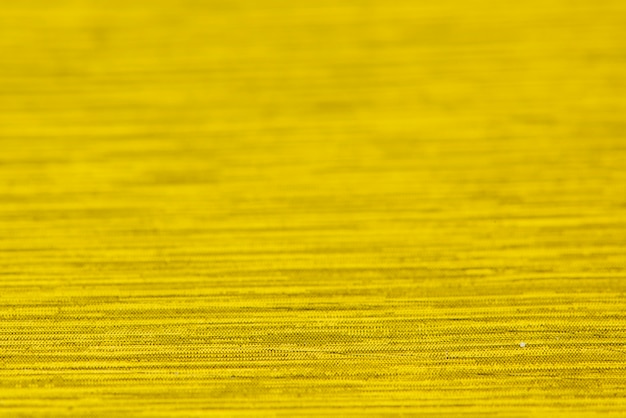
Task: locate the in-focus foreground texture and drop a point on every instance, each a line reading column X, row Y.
column 312, row 208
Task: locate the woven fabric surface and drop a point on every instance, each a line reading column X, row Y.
column 340, row 208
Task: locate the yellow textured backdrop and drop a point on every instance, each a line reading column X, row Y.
column 312, row 208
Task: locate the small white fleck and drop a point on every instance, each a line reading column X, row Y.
column 522, row 344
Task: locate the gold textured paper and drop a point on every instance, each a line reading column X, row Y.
column 316, row 208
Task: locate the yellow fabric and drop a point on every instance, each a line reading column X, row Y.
column 312, row 208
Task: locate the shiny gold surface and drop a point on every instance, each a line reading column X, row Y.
column 312, row 208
